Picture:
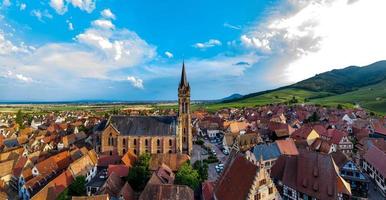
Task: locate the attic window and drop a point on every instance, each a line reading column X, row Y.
column 315, row 172
column 316, row 186
column 304, row 183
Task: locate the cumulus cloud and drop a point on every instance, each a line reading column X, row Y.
column 319, row 35
column 20, row 77
column 106, row 13
column 104, row 24
column 61, row 6
column 85, row 5
column 23, row 6
column 208, row 44
column 41, row 15
column 168, row 54
column 8, row 47
column 135, row 82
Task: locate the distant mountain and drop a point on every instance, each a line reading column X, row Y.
column 351, row 86
column 232, row 97
column 345, row 80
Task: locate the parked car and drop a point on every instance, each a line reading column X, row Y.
column 226, row 152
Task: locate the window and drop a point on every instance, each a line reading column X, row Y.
column 263, row 182
column 183, row 139
column 158, row 142
column 124, row 151
column 170, row 142
column 124, row 141
column 135, row 151
column 170, row 151
column 270, row 190
column 135, row 142
column 158, row 151
column 146, row 142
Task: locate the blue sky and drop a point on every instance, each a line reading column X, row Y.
column 133, row 50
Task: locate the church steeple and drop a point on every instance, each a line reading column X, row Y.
column 184, row 141
column 184, row 80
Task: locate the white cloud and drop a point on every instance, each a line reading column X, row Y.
column 8, row 47
column 21, row 77
column 70, row 25
column 135, row 82
column 320, row 35
column 85, row 5
column 41, row 15
column 208, row 44
column 168, row 54
column 106, row 13
column 104, row 24
column 59, row 6
column 23, row 6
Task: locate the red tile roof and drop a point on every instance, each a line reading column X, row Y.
column 377, row 159
column 311, row 173
column 207, row 190
column 287, row 147
column 120, row 170
column 237, row 179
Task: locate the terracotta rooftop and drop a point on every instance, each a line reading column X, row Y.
column 174, row 161
column 377, row 159
column 237, row 179
column 311, row 173
column 120, row 170
column 287, row 147
column 167, row 192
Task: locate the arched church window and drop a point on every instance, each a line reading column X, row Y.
column 146, row 142
column 170, row 142
column 135, row 142
column 158, row 142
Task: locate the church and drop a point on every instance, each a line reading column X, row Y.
column 152, row 134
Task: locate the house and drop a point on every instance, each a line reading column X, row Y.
column 352, row 174
column 267, row 154
column 305, row 133
column 115, row 187
column 167, row 191
column 242, row 141
column 374, row 165
column 121, row 170
column 309, row 175
column 339, row 139
column 242, row 179
column 52, row 190
column 85, row 166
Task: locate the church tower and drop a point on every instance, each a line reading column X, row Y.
column 184, row 137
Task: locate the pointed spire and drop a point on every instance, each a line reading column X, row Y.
column 184, row 80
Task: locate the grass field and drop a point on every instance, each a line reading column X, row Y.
column 370, row 97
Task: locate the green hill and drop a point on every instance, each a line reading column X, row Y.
column 363, row 86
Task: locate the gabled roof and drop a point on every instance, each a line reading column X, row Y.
column 129, row 158
column 144, row 125
column 173, row 160
column 52, row 190
column 287, row 147
column 167, row 191
column 120, row 170
column 237, row 179
column 377, row 159
column 311, row 173
column 112, row 186
column 266, row 151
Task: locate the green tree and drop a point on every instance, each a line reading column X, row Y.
column 186, row 175
column 340, row 107
column 313, row 118
column 139, row 174
column 19, row 118
column 78, row 187
column 202, row 169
